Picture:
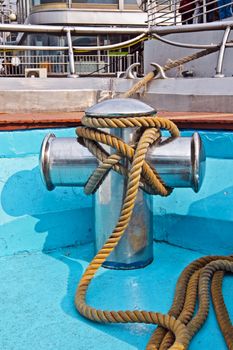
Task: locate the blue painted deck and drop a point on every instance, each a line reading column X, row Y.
column 37, row 310
column 45, row 243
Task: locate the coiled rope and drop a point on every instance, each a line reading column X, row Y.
column 221, row 310
column 176, row 329
column 189, row 293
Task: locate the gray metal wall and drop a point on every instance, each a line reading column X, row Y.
column 63, row 94
column 156, row 51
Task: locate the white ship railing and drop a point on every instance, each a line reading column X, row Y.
column 158, row 31
column 141, row 34
column 178, row 12
column 56, row 65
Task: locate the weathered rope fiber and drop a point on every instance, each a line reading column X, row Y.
column 177, row 328
column 173, row 64
column 188, row 309
column 160, row 338
column 139, row 167
column 221, row 310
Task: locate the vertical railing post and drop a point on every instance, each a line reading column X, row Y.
column 175, row 9
column 136, row 61
column 222, row 50
column 71, row 55
column 98, row 57
column 128, row 57
column 108, row 63
column 204, row 11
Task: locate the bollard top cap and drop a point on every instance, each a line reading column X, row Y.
column 120, row 107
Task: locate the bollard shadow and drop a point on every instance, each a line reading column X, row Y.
column 50, row 233
column 206, row 227
column 213, row 224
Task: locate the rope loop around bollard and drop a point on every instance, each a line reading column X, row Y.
column 140, row 172
column 176, row 329
column 150, row 181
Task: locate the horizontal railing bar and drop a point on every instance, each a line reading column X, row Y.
column 197, row 15
column 164, row 14
column 80, row 57
column 58, row 64
column 191, row 46
column 159, row 4
column 168, row 6
column 33, row 48
column 218, row 25
column 191, row 17
column 61, row 29
column 168, row 13
column 77, row 48
column 178, row 15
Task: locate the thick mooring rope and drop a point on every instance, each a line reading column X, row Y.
column 173, row 64
column 186, row 295
column 176, row 329
column 139, row 167
column 221, row 310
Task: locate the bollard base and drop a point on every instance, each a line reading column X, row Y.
column 122, row 266
column 72, row 76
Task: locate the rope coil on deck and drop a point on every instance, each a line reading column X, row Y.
column 192, row 288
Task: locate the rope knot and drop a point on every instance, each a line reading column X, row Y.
column 139, row 175
column 148, row 132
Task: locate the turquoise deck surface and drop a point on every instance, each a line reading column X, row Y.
column 45, row 244
column 37, row 310
column 31, row 218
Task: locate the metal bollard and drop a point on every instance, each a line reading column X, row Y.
column 180, row 162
